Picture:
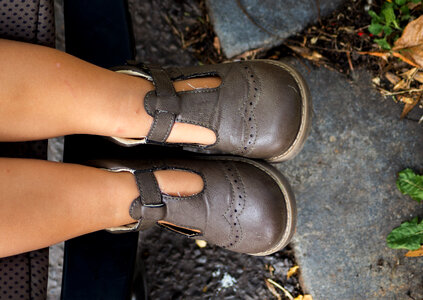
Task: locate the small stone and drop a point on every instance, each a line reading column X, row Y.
column 201, row 243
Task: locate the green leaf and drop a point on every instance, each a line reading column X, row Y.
column 400, row 2
column 387, row 30
column 407, row 236
column 383, row 44
column 416, row 1
column 405, row 10
column 396, row 24
column 375, row 28
column 405, row 17
column 388, row 14
column 409, row 183
column 375, row 16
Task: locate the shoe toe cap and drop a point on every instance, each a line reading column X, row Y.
column 267, row 214
column 278, row 111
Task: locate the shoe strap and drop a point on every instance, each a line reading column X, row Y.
column 150, row 194
column 148, row 207
column 167, row 104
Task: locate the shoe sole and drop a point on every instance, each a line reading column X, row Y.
column 291, row 152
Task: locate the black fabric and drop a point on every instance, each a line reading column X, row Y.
column 28, row 20
column 24, row 276
column 99, row 265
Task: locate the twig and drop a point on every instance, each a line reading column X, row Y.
column 386, row 93
column 361, row 28
column 350, row 62
column 318, row 12
column 175, row 30
column 408, row 61
column 272, row 289
column 287, row 294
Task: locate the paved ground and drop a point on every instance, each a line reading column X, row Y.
column 347, row 199
column 249, row 24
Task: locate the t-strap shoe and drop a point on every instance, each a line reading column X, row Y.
column 245, row 206
column 261, row 109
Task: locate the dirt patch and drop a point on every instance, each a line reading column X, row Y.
column 177, row 268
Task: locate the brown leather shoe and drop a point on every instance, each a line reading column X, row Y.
column 245, row 206
column 262, row 108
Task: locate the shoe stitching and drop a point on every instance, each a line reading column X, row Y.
column 287, row 200
column 240, row 236
column 233, row 211
column 228, row 239
column 243, row 110
column 250, row 144
column 133, row 206
column 153, row 127
column 169, row 128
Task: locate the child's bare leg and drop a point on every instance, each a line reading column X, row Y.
column 46, row 93
column 42, row 203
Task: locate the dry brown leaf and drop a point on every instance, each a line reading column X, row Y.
column 406, row 100
column 306, row 53
column 292, row 271
column 419, row 77
column 216, row 44
column 273, row 290
column 314, row 40
column 303, row 297
column 412, row 5
column 348, row 29
column 415, row 253
column 403, row 84
column 249, row 54
column 410, row 44
column 410, row 102
column 271, row 270
column 392, row 78
column 410, row 73
column 376, row 80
